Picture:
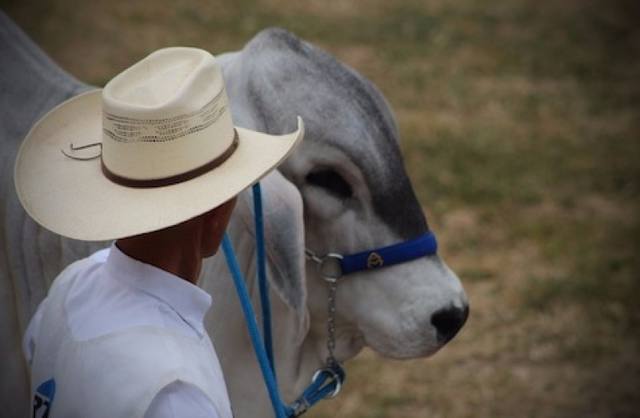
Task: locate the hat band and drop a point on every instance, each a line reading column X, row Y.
column 178, row 178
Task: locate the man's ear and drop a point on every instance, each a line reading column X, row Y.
column 214, row 225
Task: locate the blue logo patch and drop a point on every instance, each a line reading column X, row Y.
column 43, row 399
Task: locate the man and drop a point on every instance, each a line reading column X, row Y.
column 121, row 333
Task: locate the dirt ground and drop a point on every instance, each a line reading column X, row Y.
column 520, row 127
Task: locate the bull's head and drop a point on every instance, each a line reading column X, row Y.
column 356, row 195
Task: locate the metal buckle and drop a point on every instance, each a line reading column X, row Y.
column 330, row 267
column 334, row 377
column 300, row 407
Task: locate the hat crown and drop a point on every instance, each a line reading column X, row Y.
column 165, row 116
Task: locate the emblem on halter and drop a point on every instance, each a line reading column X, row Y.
column 374, row 260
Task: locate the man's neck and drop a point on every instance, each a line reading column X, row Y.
column 177, row 253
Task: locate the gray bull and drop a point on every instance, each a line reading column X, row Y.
column 344, row 190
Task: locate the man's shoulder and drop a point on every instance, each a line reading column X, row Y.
column 101, row 255
column 79, row 268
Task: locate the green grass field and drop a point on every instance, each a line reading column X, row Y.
column 520, row 121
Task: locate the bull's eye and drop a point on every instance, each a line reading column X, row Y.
column 331, row 181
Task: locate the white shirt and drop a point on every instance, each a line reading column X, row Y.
column 119, row 292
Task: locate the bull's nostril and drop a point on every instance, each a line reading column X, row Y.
column 448, row 322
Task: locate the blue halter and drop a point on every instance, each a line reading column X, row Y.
column 326, row 383
column 333, row 265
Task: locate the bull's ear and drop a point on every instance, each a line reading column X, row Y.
column 284, row 242
column 284, row 234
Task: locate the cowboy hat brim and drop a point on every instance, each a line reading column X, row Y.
column 74, row 198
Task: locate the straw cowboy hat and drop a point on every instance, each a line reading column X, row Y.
column 154, row 148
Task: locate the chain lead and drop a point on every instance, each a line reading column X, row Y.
column 331, row 277
column 331, row 323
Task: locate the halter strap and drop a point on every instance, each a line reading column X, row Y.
column 390, row 255
column 333, row 265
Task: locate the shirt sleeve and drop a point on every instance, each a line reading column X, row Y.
column 30, row 335
column 180, row 399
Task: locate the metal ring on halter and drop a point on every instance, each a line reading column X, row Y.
column 334, row 376
column 330, row 267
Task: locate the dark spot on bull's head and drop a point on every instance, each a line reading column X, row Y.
column 331, row 182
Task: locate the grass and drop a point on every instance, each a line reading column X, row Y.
column 520, row 127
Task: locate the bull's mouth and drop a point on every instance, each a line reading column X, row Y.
column 405, row 347
column 445, row 325
column 407, row 351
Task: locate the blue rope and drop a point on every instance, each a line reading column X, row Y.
column 262, row 276
column 256, row 340
column 319, row 388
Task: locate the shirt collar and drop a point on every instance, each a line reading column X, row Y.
column 189, row 301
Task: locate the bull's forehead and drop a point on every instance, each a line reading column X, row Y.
column 341, row 109
column 288, row 73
